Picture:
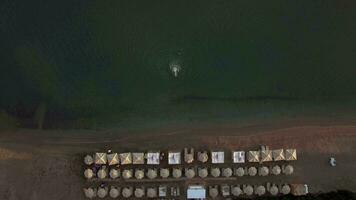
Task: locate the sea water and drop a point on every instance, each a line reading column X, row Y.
column 109, row 63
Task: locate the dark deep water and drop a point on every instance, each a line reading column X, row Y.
column 90, row 63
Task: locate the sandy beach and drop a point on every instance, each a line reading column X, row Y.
column 48, row 164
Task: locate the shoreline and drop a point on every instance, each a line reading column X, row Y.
column 224, row 128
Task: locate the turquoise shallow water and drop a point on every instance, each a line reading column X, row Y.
column 90, row 63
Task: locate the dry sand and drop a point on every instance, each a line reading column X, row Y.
column 47, row 165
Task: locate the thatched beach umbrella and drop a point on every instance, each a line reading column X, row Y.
column 114, row 173
column 202, row 172
column 291, row 154
column 215, row 172
column 227, row 172
column 88, row 173
column 252, row 171
column 288, row 170
column 164, row 172
column 139, row 193
column 125, row 158
column 114, row 192
column 278, row 154
column 177, row 173
column 248, row 190
column 260, row 190
column 240, row 171
column 102, row 192
column 139, row 174
column 127, row 174
column 236, row 191
column 276, row 170
column 263, row 171
column 189, row 173
column 285, row 189
column 152, row 173
column 213, row 192
column 88, row 160
column 203, row 156
column 188, row 155
column 151, row 192
column 127, row 192
column 138, row 158
column 113, row 159
column 253, row 156
column 89, row 193
column 100, row 158
column 273, row 190
column 102, row 173
column 266, row 155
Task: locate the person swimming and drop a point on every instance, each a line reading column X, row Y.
column 175, row 68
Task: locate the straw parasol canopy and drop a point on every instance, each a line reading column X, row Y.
column 291, row 154
column 100, row 158
column 260, row 190
column 102, row 173
column 177, row 173
column 266, row 155
column 263, row 171
column 102, row 192
column 139, row 174
column 202, row 172
column 203, row 156
column 248, row 190
column 164, row 172
column 213, row 192
column 125, row 158
column 88, row 173
column 278, row 154
column 236, row 191
column 285, row 189
column 151, row 192
column 189, row 173
column 273, row 190
column 276, row 170
column 127, row 192
column 253, row 156
column 188, row 158
column 215, row 172
column 138, row 158
column 252, row 171
column 113, row 159
column 299, row 189
column 114, row 192
column 151, row 173
column 227, row 172
column 114, row 173
column 288, row 170
column 127, row 174
column 139, row 192
column 240, row 171
column 88, row 160
column 89, row 193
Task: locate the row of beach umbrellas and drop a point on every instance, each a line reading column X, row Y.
column 188, row 172
column 125, row 192
column 249, row 190
column 264, row 155
column 213, row 191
